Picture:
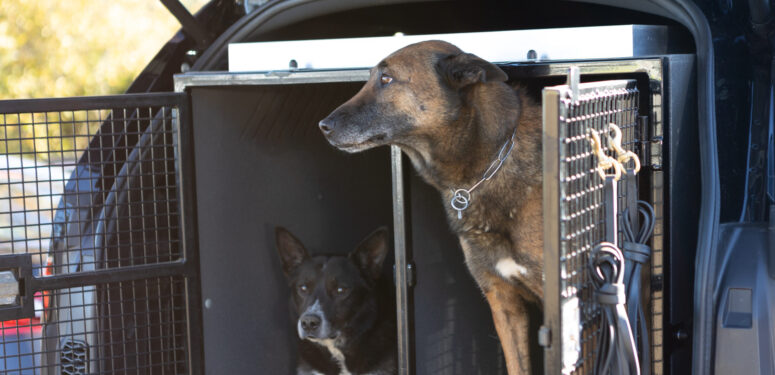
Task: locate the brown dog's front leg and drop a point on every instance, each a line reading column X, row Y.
column 510, row 315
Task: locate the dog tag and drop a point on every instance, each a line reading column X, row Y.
column 460, row 200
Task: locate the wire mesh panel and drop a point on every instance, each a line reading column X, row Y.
column 91, row 237
column 575, row 213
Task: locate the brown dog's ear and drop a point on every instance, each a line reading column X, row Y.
column 466, row 69
column 371, row 252
column 292, row 252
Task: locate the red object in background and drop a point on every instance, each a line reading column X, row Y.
column 25, row 327
column 48, row 270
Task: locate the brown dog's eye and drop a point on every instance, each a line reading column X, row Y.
column 303, row 288
column 385, row 79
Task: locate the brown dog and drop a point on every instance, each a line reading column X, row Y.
column 452, row 113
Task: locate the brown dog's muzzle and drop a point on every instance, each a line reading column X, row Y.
column 348, row 127
column 364, row 122
column 326, row 126
column 331, row 126
column 337, row 125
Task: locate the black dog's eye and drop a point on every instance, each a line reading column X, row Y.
column 303, row 288
column 385, row 79
column 341, row 290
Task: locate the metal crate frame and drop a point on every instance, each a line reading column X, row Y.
column 574, row 207
column 169, row 270
column 650, row 69
column 651, row 74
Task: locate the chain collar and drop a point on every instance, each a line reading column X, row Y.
column 461, row 198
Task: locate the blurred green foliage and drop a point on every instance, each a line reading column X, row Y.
column 56, row 48
column 79, row 47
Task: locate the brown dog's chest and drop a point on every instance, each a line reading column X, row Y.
column 501, row 236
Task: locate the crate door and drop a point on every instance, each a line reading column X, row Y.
column 97, row 273
column 574, row 218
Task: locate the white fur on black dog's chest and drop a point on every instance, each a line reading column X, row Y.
column 336, row 354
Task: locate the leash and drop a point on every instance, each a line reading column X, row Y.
column 461, row 198
column 636, row 252
column 616, row 352
column 616, row 346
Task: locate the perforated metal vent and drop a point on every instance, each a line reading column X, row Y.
column 74, row 357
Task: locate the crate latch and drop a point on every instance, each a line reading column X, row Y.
column 16, row 297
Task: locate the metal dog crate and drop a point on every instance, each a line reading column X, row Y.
column 157, row 213
column 262, row 162
column 651, row 122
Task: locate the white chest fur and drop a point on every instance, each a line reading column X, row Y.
column 336, row 354
column 508, row 268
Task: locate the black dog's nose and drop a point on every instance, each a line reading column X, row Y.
column 310, row 323
column 326, row 126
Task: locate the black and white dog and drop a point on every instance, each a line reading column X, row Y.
column 344, row 309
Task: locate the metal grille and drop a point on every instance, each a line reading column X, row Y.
column 48, row 161
column 574, row 194
column 90, row 210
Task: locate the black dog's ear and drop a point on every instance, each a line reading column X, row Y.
column 371, row 252
column 292, row 252
column 466, row 69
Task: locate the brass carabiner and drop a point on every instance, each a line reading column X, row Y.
column 616, row 143
column 603, row 161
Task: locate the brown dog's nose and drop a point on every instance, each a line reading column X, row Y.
column 326, row 126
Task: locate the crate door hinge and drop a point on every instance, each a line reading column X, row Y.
column 650, row 144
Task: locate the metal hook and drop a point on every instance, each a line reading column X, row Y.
column 603, row 161
column 616, row 143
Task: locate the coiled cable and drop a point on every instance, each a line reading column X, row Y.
column 636, row 254
column 616, row 348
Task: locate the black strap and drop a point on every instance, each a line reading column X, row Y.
column 637, row 225
column 616, row 347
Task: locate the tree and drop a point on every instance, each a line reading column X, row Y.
column 55, row 48
column 79, row 47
